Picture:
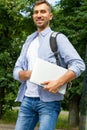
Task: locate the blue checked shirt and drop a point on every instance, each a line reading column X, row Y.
column 67, row 54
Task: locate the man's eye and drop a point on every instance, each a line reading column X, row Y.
column 43, row 11
column 36, row 12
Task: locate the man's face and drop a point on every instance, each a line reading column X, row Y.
column 42, row 16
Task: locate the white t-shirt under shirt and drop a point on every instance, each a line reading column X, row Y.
column 32, row 54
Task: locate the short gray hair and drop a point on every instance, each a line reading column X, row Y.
column 43, row 2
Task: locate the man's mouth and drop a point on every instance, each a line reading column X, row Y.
column 39, row 20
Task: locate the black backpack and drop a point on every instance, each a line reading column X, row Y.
column 53, row 45
column 54, row 48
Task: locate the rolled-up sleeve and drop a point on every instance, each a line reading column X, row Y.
column 70, row 56
column 77, row 66
column 16, row 71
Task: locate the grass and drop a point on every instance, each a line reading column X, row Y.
column 63, row 120
column 62, row 123
column 9, row 117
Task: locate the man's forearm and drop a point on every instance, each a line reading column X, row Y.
column 24, row 75
column 67, row 77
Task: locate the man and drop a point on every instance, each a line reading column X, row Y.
column 43, row 104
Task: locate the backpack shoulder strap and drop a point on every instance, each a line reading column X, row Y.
column 53, row 45
column 54, row 48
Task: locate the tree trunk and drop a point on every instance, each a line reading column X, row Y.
column 74, row 111
column 83, row 115
column 83, row 122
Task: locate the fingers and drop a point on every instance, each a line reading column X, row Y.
column 51, row 90
column 50, row 86
column 44, row 83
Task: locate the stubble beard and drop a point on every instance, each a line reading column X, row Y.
column 42, row 27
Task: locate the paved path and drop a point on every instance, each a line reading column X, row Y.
column 11, row 127
column 6, row 127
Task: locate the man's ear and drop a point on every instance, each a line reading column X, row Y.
column 51, row 16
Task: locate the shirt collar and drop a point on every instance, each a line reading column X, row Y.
column 45, row 31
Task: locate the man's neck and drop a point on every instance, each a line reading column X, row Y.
column 41, row 29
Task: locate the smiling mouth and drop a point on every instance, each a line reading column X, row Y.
column 39, row 22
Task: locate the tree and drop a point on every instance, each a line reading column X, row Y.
column 13, row 30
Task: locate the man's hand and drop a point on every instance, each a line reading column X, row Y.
column 25, row 74
column 51, row 86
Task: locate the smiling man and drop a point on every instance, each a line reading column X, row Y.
column 37, row 103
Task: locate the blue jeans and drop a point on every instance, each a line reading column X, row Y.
column 33, row 110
